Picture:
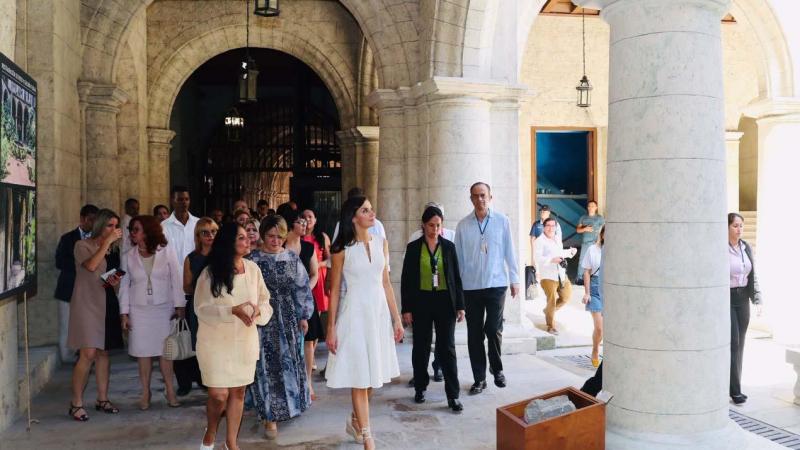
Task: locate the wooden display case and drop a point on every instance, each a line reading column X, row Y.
column 582, row 429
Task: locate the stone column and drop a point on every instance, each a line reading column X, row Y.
column 391, row 185
column 158, row 143
column 778, row 159
column 101, row 103
column 347, row 147
column 732, row 139
column 667, row 340
column 360, row 159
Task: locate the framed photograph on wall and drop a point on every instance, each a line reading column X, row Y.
column 18, row 105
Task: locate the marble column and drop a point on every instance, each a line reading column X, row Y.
column 778, row 122
column 667, row 326
column 360, row 159
column 732, row 140
column 159, row 145
column 101, row 104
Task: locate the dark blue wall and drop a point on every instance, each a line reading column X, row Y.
column 561, row 159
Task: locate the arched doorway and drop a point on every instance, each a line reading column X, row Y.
column 287, row 148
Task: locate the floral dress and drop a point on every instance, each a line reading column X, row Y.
column 280, row 390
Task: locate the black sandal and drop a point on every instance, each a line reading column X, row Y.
column 106, row 406
column 73, row 409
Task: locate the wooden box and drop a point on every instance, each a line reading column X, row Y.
column 582, row 429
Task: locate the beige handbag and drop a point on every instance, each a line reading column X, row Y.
column 178, row 345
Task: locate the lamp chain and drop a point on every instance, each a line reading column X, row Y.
column 583, row 33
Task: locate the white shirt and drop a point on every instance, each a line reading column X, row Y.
column 545, row 249
column 591, row 260
column 180, row 237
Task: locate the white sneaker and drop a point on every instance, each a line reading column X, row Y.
column 204, row 446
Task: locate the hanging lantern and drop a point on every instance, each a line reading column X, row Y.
column 234, row 122
column 248, row 80
column 267, row 8
column 584, row 89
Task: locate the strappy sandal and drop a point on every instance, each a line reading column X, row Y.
column 73, row 409
column 352, row 428
column 367, row 435
column 106, row 406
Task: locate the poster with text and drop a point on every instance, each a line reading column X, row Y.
column 17, row 179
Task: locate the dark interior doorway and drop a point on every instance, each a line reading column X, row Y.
column 287, row 148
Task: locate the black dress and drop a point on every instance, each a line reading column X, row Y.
column 314, row 323
column 113, row 338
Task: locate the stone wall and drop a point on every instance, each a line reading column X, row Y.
column 551, row 67
column 48, row 48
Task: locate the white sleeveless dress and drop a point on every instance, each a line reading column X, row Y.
column 366, row 355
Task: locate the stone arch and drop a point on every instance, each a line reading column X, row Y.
column 318, row 55
column 393, row 33
column 103, row 25
column 777, row 67
column 390, row 29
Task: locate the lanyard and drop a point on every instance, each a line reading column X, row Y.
column 482, row 230
column 433, row 258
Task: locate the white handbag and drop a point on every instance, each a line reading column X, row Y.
column 178, row 345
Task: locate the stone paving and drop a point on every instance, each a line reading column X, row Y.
column 397, row 422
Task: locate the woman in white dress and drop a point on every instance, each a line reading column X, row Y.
column 363, row 322
column 150, row 294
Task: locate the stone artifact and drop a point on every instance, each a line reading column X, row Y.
column 539, row 410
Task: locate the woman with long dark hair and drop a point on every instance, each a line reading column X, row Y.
column 322, row 250
column 150, row 295
column 229, row 299
column 744, row 289
column 363, row 330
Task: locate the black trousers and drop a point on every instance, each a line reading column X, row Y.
column 187, row 370
column 594, row 385
column 740, row 319
column 484, row 310
column 435, row 310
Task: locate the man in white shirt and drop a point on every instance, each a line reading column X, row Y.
column 131, row 211
column 548, row 254
column 179, row 227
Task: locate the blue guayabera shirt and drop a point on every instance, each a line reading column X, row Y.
column 486, row 269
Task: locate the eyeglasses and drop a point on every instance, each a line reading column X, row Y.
column 207, row 233
column 300, row 222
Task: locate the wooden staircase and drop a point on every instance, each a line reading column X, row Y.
column 750, row 227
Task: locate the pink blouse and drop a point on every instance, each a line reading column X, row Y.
column 740, row 265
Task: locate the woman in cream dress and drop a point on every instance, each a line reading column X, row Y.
column 230, row 299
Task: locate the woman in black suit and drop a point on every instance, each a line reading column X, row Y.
column 433, row 297
column 744, row 289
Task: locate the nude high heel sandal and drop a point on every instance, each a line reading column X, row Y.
column 351, row 427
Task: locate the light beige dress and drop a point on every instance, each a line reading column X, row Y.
column 227, row 349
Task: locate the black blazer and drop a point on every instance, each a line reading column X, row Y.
column 65, row 262
column 409, row 281
column 753, row 291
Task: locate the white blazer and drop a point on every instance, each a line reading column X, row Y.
column 166, row 279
